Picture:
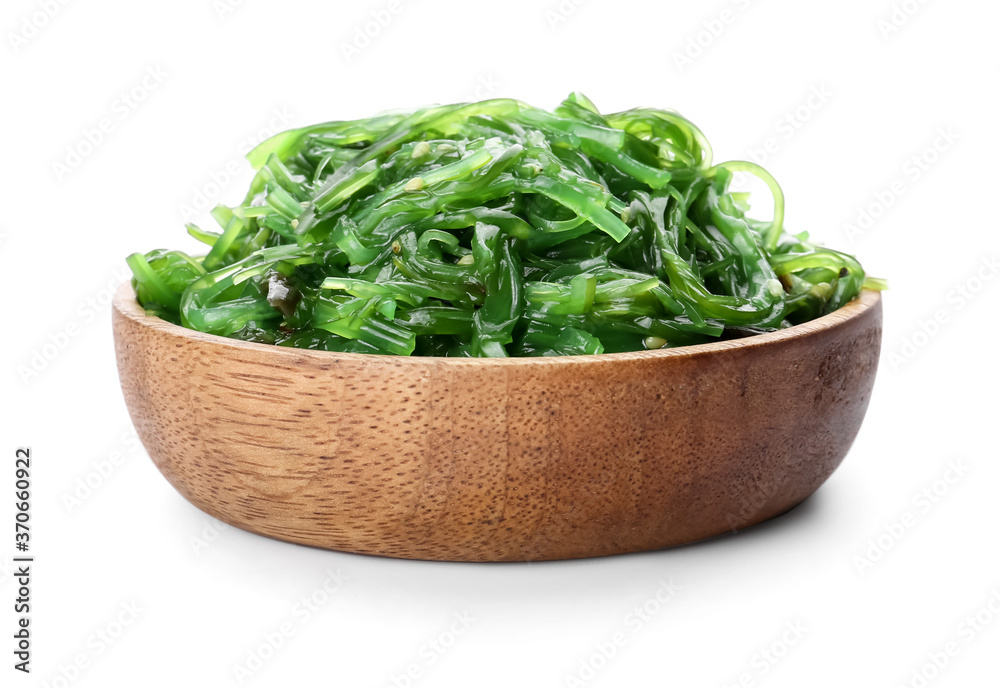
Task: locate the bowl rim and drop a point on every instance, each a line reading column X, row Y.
column 127, row 305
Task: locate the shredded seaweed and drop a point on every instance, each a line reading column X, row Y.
column 496, row 229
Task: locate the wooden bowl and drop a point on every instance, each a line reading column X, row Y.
column 498, row 460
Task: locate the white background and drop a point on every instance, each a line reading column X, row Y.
column 893, row 86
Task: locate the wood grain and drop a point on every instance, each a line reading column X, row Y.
column 498, row 460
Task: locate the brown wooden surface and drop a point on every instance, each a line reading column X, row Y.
column 498, row 460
